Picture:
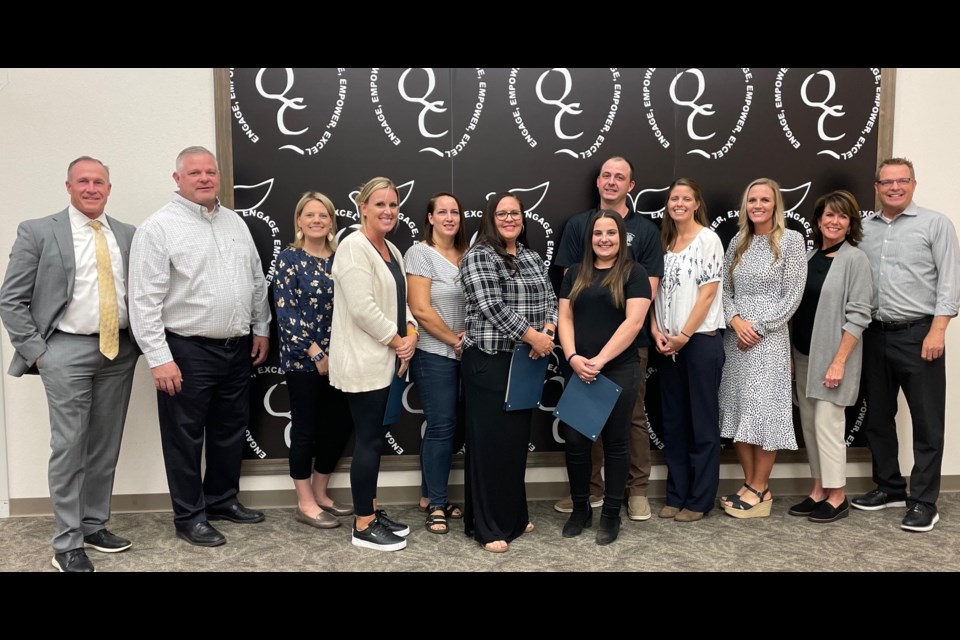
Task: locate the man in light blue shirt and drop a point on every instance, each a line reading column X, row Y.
column 915, row 260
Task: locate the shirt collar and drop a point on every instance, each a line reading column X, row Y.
column 79, row 221
column 911, row 210
column 193, row 207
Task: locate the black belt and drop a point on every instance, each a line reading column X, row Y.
column 87, row 335
column 900, row 326
column 215, row 342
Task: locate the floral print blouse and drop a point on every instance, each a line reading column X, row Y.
column 303, row 292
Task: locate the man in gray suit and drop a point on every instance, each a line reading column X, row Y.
column 64, row 304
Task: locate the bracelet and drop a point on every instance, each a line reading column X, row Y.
column 683, row 334
column 413, row 330
column 572, row 356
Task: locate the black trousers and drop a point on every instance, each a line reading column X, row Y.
column 689, row 393
column 616, row 443
column 367, row 409
column 320, row 423
column 891, row 362
column 496, row 451
column 212, row 409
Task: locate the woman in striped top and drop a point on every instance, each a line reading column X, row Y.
column 437, row 302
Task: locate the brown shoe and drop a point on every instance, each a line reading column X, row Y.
column 686, row 515
column 566, row 505
column 323, row 520
column 337, row 509
column 668, row 512
column 638, row 508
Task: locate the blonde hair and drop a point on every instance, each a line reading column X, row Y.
column 746, row 225
column 305, row 199
column 371, row 185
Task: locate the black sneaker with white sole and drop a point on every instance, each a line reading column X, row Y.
column 395, row 528
column 920, row 517
column 378, row 537
column 106, row 542
column 877, row 499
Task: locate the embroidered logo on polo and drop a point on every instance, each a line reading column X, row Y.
column 827, row 109
column 424, row 111
column 710, row 115
column 349, row 221
column 266, row 233
column 305, row 107
column 566, row 115
column 535, row 195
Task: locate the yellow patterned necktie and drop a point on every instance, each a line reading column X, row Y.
column 109, row 311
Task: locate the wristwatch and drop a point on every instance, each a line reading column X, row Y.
column 550, row 332
column 320, row 356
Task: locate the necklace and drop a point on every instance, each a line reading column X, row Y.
column 385, row 258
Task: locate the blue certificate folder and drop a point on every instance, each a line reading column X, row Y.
column 586, row 407
column 395, row 399
column 525, row 381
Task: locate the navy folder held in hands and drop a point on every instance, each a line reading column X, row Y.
column 395, row 399
column 586, row 407
column 525, row 381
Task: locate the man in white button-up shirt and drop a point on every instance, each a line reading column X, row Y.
column 50, row 305
column 199, row 311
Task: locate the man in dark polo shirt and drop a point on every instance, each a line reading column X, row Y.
column 643, row 240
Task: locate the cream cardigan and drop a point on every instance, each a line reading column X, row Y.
column 364, row 316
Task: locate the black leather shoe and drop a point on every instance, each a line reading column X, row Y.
column 826, row 512
column 805, row 508
column 73, row 561
column 106, row 542
column 577, row 522
column 608, row 529
column 396, row 528
column 235, row 513
column 920, row 517
column 202, row 534
column 878, row 499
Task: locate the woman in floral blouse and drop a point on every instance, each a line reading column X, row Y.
column 320, row 418
column 685, row 329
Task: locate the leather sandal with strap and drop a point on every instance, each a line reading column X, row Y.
column 730, row 498
column 437, row 524
column 740, row 509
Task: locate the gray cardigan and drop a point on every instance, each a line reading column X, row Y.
column 845, row 305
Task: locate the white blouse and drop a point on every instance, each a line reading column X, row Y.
column 701, row 262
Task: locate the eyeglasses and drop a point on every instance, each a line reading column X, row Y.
column 903, row 182
column 503, row 215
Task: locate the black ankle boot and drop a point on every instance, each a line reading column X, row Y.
column 608, row 528
column 578, row 521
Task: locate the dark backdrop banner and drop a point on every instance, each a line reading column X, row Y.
column 543, row 135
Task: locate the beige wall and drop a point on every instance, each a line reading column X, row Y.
column 137, row 120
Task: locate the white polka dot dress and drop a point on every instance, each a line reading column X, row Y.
column 755, row 391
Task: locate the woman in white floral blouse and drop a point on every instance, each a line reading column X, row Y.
column 320, row 417
column 685, row 329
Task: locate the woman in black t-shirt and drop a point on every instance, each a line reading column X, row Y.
column 603, row 302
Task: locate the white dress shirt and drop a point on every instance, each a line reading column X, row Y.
column 194, row 273
column 83, row 312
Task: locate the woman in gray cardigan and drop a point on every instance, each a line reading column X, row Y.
column 826, row 330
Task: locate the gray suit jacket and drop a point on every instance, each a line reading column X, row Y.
column 38, row 284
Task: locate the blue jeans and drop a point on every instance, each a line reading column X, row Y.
column 437, row 379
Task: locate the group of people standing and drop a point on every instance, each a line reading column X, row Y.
column 734, row 327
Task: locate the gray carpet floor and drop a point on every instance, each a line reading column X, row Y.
column 866, row 541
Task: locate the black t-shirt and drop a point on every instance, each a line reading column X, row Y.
column 595, row 318
column 643, row 243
